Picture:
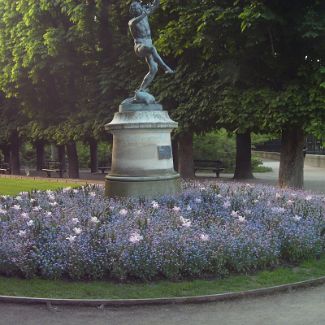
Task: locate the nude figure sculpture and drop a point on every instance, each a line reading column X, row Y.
column 143, row 46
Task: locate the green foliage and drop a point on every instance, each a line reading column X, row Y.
column 246, row 65
column 104, row 152
column 216, row 146
column 221, row 145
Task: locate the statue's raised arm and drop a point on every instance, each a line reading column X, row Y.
column 143, row 46
column 154, row 5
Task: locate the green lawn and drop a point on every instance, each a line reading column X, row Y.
column 107, row 290
column 13, row 186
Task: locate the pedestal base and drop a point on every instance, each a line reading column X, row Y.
column 147, row 187
column 142, row 158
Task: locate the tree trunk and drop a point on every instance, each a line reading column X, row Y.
column 14, row 153
column 93, row 148
column 73, row 160
column 40, row 153
column 291, row 172
column 175, row 152
column 6, row 154
column 243, row 156
column 61, row 156
column 185, row 155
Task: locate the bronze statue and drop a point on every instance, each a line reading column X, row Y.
column 143, row 46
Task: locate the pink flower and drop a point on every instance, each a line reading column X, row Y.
column 77, row 231
column 71, row 238
column 123, row 212
column 227, row 204
column 155, row 205
column 22, row 233
column 234, row 214
column 176, row 209
column 297, row 218
column 290, row 202
column 30, row 223
column 204, row 237
column 185, row 222
column 135, row 237
column 94, row 220
column 241, row 219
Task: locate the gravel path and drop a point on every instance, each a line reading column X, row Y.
column 302, row 307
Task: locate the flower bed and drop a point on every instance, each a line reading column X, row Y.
column 208, row 229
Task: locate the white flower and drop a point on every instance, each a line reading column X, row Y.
column 185, row 222
column 241, row 219
column 37, row 208
column 19, row 198
column 32, row 200
column 309, row 197
column 53, row 204
column 75, row 221
column 290, row 202
column 2, row 211
column 188, row 208
column 123, row 212
column 234, row 214
column 51, row 197
column 23, row 193
column 138, row 212
column 67, row 189
column 49, row 192
column 227, row 204
column 135, row 237
column 155, row 204
column 255, row 201
column 71, row 238
column 75, row 191
column 92, row 194
column 5, row 196
column 94, row 220
column 16, row 207
column 219, row 195
column 48, row 214
column 278, row 195
column 204, row 237
column 197, row 200
column 77, row 231
column 297, row 218
column 176, row 209
column 22, row 233
column 30, row 223
column 248, row 211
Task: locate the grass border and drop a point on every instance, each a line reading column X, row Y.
column 311, row 272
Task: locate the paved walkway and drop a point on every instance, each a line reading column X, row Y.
column 302, row 307
column 314, row 178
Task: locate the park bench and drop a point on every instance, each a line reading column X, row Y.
column 4, row 168
column 53, row 167
column 104, row 169
column 214, row 165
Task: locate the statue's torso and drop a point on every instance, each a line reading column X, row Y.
column 140, row 31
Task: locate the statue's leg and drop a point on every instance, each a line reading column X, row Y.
column 153, row 69
column 159, row 60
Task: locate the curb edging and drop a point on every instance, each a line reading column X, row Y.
column 165, row 301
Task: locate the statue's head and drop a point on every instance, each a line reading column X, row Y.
column 136, row 8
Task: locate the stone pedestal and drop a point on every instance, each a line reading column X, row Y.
column 142, row 161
